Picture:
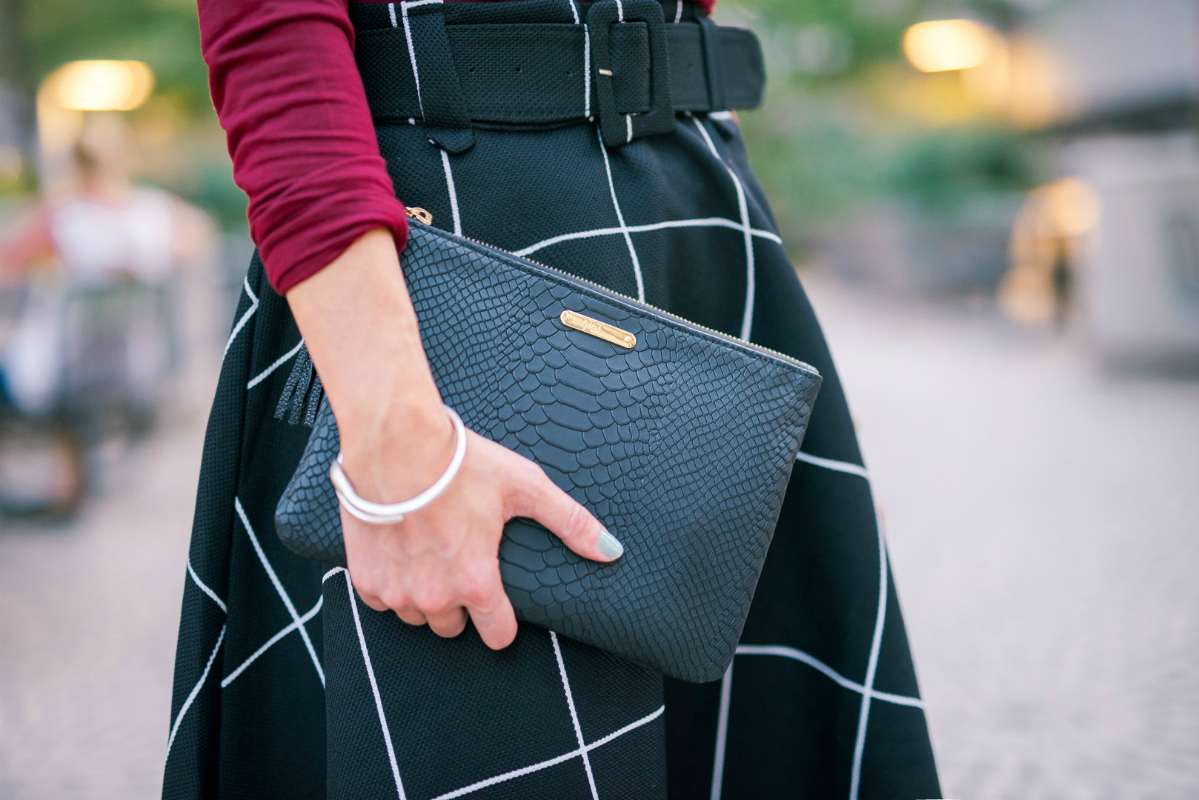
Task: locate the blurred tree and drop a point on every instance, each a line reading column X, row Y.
column 180, row 144
column 163, row 33
column 17, row 76
column 838, row 132
column 942, row 171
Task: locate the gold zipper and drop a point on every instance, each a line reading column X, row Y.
column 425, row 218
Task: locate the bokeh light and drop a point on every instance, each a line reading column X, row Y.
column 100, row 85
column 950, row 44
column 1073, row 206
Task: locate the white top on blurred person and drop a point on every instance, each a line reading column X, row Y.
column 109, row 230
column 106, row 233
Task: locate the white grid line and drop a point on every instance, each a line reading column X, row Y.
column 191, row 697
column 574, row 715
column 453, row 192
column 872, row 665
column 630, row 727
column 620, row 216
column 232, row 676
column 507, row 776
column 517, row 773
column 331, row 573
column 586, row 72
column 204, row 587
column 241, row 323
column 897, row 699
column 628, row 122
column 747, row 317
column 283, row 359
column 370, row 673
column 411, row 50
column 722, row 116
column 722, row 731
column 574, row 10
column 818, row 665
column 836, row 466
column 391, row 10
column 868, row 692
column 705, row 222
column 678, row 12
column 270, row 571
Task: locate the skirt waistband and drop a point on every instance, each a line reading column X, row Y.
column 617, row 61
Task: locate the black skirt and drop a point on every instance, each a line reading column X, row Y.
column 287, row 686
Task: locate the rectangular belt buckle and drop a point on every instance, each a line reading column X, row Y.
column 619, row 129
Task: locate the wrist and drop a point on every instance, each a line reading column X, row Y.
column 390, row 513
column 394, row 455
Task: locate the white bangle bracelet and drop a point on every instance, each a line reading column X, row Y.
column 390, row 513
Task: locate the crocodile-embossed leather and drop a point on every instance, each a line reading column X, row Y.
column 682, row 447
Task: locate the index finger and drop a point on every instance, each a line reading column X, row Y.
column 540, row 499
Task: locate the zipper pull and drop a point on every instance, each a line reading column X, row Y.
column 419, row 214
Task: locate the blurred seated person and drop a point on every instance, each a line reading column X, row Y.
column 107, row 234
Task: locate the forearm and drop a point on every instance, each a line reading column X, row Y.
column 286, row 89
column 362, row 333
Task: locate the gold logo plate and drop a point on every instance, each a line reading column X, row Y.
column 600, row 330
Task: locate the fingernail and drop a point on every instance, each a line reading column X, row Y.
column 610, row 546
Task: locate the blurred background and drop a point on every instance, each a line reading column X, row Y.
column 995, row 208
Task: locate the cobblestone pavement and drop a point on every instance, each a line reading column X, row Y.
column 1044, row 529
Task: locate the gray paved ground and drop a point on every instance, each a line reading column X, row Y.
column 1044, row 530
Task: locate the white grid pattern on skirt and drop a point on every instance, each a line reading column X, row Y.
column 582, row 751
column 747, row 318
column 283, row 595
column 280, row 361
column 241, row 323
column 865, row 689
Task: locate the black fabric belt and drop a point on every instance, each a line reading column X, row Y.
column 624, row 66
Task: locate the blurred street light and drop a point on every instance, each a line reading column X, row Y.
column 100, row 85
column 950, row 44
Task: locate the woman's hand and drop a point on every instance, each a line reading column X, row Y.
column 440, row 563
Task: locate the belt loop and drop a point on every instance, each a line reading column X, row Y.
column 442, row 102
column 710, row 33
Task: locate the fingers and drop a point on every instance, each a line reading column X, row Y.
column 490, row 608
column 411, row 616
column 371, row 599
column 494, row 617
column 448, row 624
column 541, row 500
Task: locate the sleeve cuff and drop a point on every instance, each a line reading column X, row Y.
column 296, row 258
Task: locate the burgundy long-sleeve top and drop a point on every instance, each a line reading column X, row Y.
column 287, row 92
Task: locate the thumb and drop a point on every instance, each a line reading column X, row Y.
column 541, row 500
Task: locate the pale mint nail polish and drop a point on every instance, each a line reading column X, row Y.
column 610, row 546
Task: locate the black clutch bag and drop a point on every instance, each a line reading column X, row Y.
column 678, row 438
